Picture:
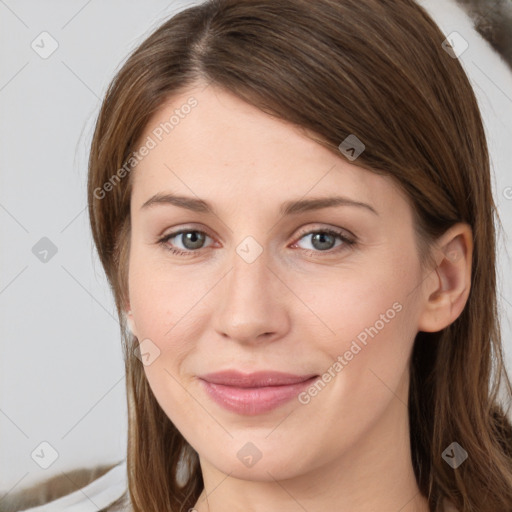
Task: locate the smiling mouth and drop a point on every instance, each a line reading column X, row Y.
column 256, row 393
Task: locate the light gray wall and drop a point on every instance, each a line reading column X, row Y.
column 61, row 369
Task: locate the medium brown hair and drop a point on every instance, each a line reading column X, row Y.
column 375, row 69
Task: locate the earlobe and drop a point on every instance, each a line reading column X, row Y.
column 130, row 322
column 447, row 290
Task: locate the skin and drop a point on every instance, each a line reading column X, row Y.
column 348, row 448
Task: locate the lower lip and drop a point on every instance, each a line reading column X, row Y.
column 252, row 401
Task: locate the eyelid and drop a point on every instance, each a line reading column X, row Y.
column 174, row 230
column 327, row 227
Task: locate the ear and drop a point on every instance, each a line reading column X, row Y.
column 446, row 288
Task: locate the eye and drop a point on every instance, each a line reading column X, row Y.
column 324, row 240
column 192, row 240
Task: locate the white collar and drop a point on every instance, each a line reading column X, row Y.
column 93, row 497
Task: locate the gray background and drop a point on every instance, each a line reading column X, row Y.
column 61, row 368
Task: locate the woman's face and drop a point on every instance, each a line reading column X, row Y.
column 266, row 281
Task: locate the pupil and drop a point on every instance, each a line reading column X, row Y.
column 321, row 238
column 195, row 238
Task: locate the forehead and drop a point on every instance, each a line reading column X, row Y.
column 222, row 147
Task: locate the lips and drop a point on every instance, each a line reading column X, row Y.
column 254, row 380
column 254, row 393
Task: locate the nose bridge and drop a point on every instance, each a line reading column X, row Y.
column 249, row 306
column 248, row 279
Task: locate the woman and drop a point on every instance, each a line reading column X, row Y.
column 292, row 203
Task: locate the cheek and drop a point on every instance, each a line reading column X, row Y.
column 162, row 307
column 367, row 354
column 170, row 311
column 158, row 297
column 363, row 302
column 364, row 323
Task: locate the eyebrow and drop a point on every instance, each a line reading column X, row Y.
column 287, row 208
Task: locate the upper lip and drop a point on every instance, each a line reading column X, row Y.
column 254, row 380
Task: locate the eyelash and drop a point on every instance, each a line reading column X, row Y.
column 347, row 242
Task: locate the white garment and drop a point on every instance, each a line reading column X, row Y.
column 93, row 497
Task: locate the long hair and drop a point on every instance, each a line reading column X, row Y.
column 376, row 69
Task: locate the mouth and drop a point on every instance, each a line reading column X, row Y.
column 254, row 393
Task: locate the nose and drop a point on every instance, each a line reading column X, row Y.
column 251, row 305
